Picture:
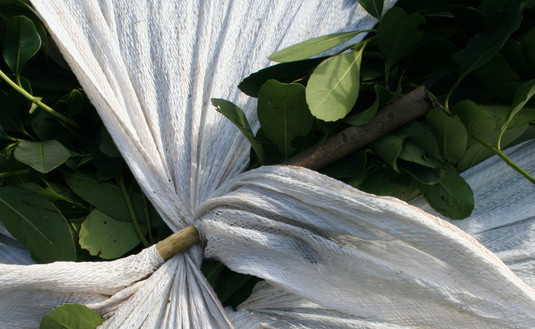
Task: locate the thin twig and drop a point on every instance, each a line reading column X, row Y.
column 393, row 116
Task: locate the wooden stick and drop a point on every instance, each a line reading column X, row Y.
column 178, row 242
column 407, row 108
column 393, row 116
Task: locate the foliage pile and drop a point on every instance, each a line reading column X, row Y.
column 66, row 194
column 476, row 58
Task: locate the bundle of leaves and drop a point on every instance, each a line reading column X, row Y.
column 476, row 59
column 66, row 193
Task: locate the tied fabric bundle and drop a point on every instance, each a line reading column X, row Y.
column 332, row 256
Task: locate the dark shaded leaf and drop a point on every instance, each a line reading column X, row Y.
column 71, row 316
column 422, row 174
column 385, row 181
column 42, row 156
column 523, row 94
column 312, row 47
column 37, row 223
column 450, row 133
column 452, row 196
column 9, row 116
column 499, row 77
column 22, row 42
column 486, row 44
column 284, row 72
column 373, row 7
column 238, row 118
column 398, row 35
column 418, row 134
column 283, row 114
column 389, row 148
column 477, row 121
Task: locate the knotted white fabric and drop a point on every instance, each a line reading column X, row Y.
column 333, row 256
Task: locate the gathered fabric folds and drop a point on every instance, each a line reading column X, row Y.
column 331, row 256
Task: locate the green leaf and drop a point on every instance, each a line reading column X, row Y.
column 238, row 118
column 389, row 148
column 71, row 316
column 418, row 134
column 37, row 223
column 333, row 87
column 451, row 197
column 477, row 121
column 422, row 174
column 106, row 237
column 528, row 47
column 22, row 42
column 373, row 7
column 385, row 181
column 413, row 153
column 73, row 103
column 368, row 114
column 312, row 47
column 283, row 114
column 486, row 44
column 107, row 197
column 398, row 35
column 450, row 132
column 284, row 72
column 9, row 116
column 42, row 156
column 499, row 77
column 522, row 96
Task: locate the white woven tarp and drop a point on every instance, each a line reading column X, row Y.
column 332, row 256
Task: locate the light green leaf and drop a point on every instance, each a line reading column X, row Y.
column 373, row 7
column 107, row 197
column 71, row 316
column 522, row 96
column 106, row 237
column 238, row 118
column 42, row 156
column 312, row 47
column 333, row 87
column 450, row 132
column 22, row 42
column 37, row 223
column 398, row 35
column 283, row 113
column 452, row 196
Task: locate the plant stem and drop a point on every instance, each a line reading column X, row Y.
column 135, row 222
column 505, row 158
column 37, row 101
column 14, row 173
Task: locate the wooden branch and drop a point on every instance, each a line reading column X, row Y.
column 393, row 116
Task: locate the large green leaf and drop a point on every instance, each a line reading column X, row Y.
column 71, row 316
column 398, row 35
column 485, row 44
column 283, row 72
column 373, row 7
column 283, row 114
column 498, row 76
column 312, row 47
column 450, row 132
column 333, row 87
column 42, row 156
column 22, row 42
column 107, row 197
column 452, row 196
column 238, row 118
column 389, row 148
column 37, row 223
column 106, row 237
